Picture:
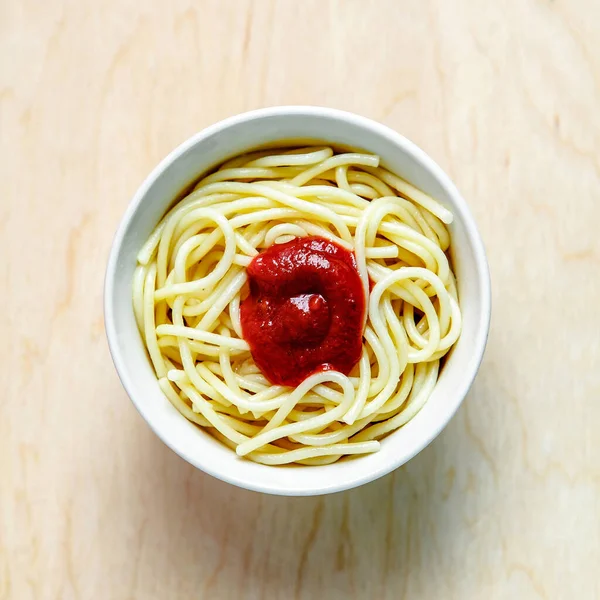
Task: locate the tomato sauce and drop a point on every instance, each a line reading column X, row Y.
column 305, row 310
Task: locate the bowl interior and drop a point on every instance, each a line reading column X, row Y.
column 205, row 151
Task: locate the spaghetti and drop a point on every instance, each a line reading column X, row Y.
column 191, row 280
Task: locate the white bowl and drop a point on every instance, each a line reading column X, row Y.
column 206, row 150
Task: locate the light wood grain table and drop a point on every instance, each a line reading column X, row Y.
column 504, row 95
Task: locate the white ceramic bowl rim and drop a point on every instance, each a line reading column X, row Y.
column 355, row 472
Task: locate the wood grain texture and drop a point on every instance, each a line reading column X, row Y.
column 504, row 95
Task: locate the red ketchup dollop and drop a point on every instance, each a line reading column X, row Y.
column 305, row 310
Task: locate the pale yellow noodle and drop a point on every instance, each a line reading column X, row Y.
column 191, row 279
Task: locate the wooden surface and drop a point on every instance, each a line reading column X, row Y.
column 505, row 95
